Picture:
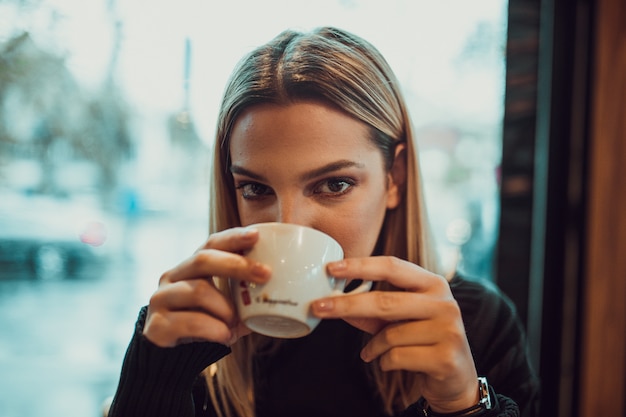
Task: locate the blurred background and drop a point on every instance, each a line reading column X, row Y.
column 107, row 114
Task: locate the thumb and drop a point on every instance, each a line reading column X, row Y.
column 237, row 332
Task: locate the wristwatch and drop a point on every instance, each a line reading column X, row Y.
column 484, row 403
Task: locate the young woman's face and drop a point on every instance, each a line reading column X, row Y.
column 309, row 164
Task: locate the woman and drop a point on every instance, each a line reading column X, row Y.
column 313, row 130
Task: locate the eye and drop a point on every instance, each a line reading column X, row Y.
column 334, row 186
column 253, row 190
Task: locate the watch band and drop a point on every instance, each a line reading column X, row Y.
column 484, row 403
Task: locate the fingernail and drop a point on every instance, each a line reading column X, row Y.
column 337, row 266
column 364, row 356
column 324, row 305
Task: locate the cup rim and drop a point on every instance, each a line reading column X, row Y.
column 282, row 225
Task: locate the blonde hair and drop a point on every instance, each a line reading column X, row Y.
column 345, row 71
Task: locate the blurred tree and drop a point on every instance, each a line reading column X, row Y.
column 47, row 117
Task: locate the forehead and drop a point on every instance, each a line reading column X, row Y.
column 298, row 132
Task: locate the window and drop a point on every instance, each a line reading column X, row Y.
column 107, row 110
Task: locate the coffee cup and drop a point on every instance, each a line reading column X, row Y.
column 297, row 256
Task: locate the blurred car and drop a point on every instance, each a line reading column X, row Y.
column 50, row 238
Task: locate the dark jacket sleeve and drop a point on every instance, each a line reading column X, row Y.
column 498, row 342
column 157, row 381
column 502, row 407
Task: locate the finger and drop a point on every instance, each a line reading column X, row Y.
column 208, row 263
column 427, row 359
column 393, row 335
column 386, row 305
column 232, row 240
column 398, row 272
column 169, row 330
column 195, row 294
column 237, row 332
column 414, row 347
column 371, row 326
column 448, row 375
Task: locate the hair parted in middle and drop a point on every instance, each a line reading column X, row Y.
column 341, row 70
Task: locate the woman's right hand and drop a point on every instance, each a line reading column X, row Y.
column 188, row 306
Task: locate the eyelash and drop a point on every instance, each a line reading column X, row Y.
column 349, row 181
column 242, row 186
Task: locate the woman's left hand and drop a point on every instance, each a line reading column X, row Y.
column 419, row 329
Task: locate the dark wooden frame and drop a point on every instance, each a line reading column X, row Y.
column 561, row 254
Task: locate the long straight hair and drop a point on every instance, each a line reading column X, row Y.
column 344, row 71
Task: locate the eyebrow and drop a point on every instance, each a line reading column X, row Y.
column 318, row 172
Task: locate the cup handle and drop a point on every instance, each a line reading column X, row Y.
column 364, row 287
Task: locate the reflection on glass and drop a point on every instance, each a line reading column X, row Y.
column 107, row 111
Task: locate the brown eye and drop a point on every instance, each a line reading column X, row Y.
column 253, row 190
column 334, row 186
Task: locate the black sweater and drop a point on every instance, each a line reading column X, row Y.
column 321, row 374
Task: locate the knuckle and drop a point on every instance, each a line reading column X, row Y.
column 451, row 357
column 448, row 363
column 157, row 299
column 442, row 284
column 241, row 266
column 395, row 355
column 200, row 291
column 452, row 323
column 165, row 278
column 393, row 262
column 156, row 326
column 236, row 268
column 392, row 359
column 222, row 335
column 450, row 308
column 211, row 240
column 227, row 263
column 391, row 335
column 455, row 336
column 201, row 258
column 221, row 239
column 385, row 301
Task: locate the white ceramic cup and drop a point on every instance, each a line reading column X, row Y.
column 298, row 256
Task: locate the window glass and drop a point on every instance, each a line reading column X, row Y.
column 107, row 112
